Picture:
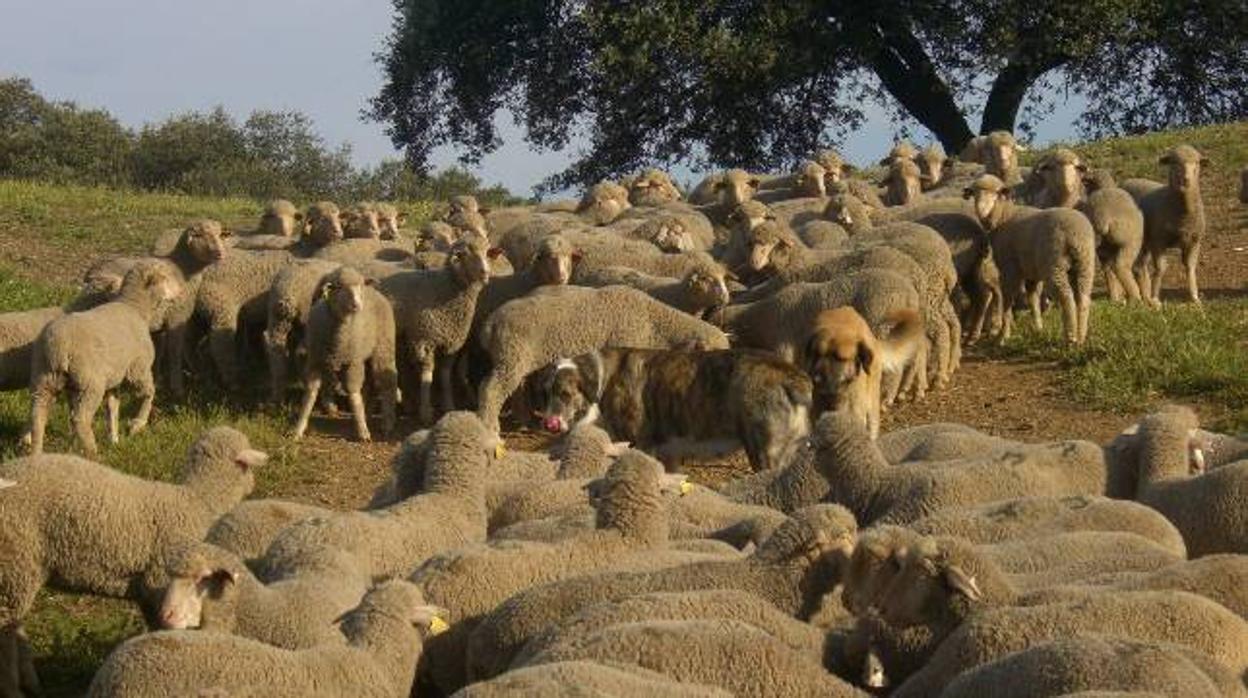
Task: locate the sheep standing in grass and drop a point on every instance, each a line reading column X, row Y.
column 294, row 290
column 433, row 312
column 1033, row 247
column 384, row 637
column 94, row 352
column 351, row 331
column 84, row 527
column 1119, row 226
column 1174, row 216
column 531, row 332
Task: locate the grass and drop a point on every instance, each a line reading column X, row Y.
column 1136, row 357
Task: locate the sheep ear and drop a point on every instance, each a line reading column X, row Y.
column 1006, row 193
column 298, row 215
column 962, row 583
column 754, row 182
column 731, row 276
column 719, row 185
column 885, row 162
column 864, row 358
column 968, row 193
column 1204, row 161
column 484, row 210
column 1164, row 159
column 577, row 255
column 369, row 281
column 494, row 252
column 250, row 458
column 1082, row 168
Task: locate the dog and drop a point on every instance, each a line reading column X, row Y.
column 846, row 361
column 683, row 402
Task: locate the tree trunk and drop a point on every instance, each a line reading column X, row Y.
column 909, row 76
column 1008, row 90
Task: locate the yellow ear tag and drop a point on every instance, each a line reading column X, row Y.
column 499, row 451
column 685, row 487
column 437, row 626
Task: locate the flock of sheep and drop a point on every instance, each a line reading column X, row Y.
column 778, row 314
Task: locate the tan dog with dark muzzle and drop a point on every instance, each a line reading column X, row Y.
column 846, row 361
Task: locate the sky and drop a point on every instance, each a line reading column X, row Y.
column 144, row 60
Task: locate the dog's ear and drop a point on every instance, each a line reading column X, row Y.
column 864, row 358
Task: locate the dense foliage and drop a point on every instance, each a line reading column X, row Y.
column 270, row 154
column 760, row 84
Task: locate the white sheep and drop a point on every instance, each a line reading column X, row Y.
column 1174, row 216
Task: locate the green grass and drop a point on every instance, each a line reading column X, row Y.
column 19, row 294
column 1136, row 357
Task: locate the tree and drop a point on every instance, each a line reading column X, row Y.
column 185, row 151
column 757, row 83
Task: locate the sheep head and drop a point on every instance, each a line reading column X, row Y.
column 343, row 291
column 736, row 187
column 280, row 218
column 769, row 246
column 555, row 260
column 935, row 583
column 1063, row 171
column 1184, row 163
column 391, row 219
column 603, row 203
column 205, row 239
column 323, row 223
column 362, row 221
column 990, row 197
column 811, row 180
column 469, row 259
column 199, row 572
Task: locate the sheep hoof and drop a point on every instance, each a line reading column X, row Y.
column 364, row 437
column 135, row 426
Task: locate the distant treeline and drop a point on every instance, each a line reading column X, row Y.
column 269, row 155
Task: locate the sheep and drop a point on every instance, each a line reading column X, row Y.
column 350, row 331
column 1119, row 226
column 792, row 570
column 652, row 187
column 448, row 513
column 1034, row 246
column 295, row 288
column 94, row 352
column 361, row 221
column 235, row 290
column 603, row 203
column 249, row 528
column 838, row 172
column 1061, row 173
column 875, row 490
column 1069, row 664
column 1184, row 619
column 631, row 521
column 703, row 288
column 383, row 642
column 730, row 654
column 528, row 333
column 1031, row 517
column 932, row 163
column 998, row 152
column 211, row 589
column 280, row 218
column 903, row 184
column 18, row 333
column 391, row 220
column 822, row 235
column 1174, row 216
column 577, row 677
column 809, row 180
column 938, row 441
column 433, row 313
column 1207, row 507
column 85, row 527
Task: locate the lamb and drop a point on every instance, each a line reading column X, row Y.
column 807, row 181
column 528, row 333
column 631, row 521
column 720, row 193
column 838, row 172
column 938, row 441
column 1174, row 216
column 362, row 221
column 932, row 163
column 94, row 352
column 384, row 637
column 211, row 589
column 1031, row 517
column 85, row 527
column 1061, row 173
column 792, row 570
column 449, row 513
column 235, row 290
column 391, row 220
column 1069, row 664
column 603, row 203
column 1207, row 508
column 433, row 313
column 1036, row 246
column 877, row 491
column 903, row 184
column 702, row 289
column 998, row 152
column 280, row 218
column 248, row 529
column 564, row 678
column 294, row 290
column 652, row 187
column 350, row 331
column 1119, row 226
column 1184, row 619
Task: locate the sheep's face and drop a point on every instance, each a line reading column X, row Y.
column 988, row 195
column 1096, row 180
column 749, row 216
column 183, row 605
column 566, row 399
column 668, row 234
column 390, row 219
column 1000, row 159
column 464, row 204
column 281, row 219
column 932, row 164
column 436, row 236
column 1063, row 174
column 362, row 222
column 1184, row 164
column 469, row 258
column 903, row 182
column 811, row 180
column 872, row 567
column 762, row 252
column 470, row 223
column 206, row 241
column 324, row 224
column 603, row 203
column 555, row 261
column 737, row 187
column 155, row 281
column 706, row 289
column 345, row 294
column 841, row 211
column 923, row 587
column 834, row 168
column 652, row 188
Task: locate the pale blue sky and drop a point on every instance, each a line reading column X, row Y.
column 144, row 60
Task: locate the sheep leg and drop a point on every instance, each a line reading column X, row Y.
column 354, row 383
column 223, row 328
column 145, row 383
column 954, row 330
column 1113, row 288
column 495, row 389
column 84, row 403
column 1123, row 275
column 42, row 395
column 445, row 384
column 175, row 357
column 939, row 338
column 1010, row 294
column 10, row 664
column 275, row 342
column 113, row 405
column 311, row 386
column 1191, row 255
column 1157, row 268
column 1033, row 290
column 892, row 384
column 386, row 385
column 1066, row 298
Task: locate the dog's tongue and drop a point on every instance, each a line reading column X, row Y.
column 553, row 425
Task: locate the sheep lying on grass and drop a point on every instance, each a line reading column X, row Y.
column 81, row 526
column 94, row 352
column 383, row 642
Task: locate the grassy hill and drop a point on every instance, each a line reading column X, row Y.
column 49, row 234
